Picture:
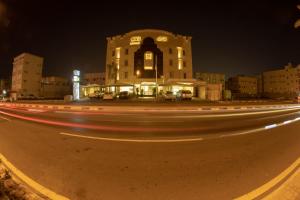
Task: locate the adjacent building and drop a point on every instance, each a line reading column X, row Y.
column 243, row 86
column 93, row 78
column 54, row 87
column 282, row 83
column 137, row 60
column 211, row 78
column 27, row 75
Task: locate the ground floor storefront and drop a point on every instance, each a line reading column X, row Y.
column 198, row 89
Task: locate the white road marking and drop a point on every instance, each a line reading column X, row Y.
column 132, row 140
column 234, row 114
column 5, row 118
column 36, row 110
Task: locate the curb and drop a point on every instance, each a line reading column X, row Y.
column 38, row 190
column 79, row 108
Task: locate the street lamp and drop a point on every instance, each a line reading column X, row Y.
column 137, row 76
column 156, row 91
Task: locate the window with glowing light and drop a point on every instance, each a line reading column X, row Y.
column 148, row 60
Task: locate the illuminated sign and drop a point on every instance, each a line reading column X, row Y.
column 135, row 40
column 76, row 84
column 162, row 39
column 148, row 67
column 148, row 56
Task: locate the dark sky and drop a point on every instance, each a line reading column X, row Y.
column 236, row 37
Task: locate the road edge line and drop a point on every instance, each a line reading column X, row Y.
column 272, row 183
column 31, row 183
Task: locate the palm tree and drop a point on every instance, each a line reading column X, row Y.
column 297, row 23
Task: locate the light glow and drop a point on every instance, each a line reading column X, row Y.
column 135, row 40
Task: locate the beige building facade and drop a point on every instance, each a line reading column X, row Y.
column 54, row 87
column 243, row 86
column 27, row 75
column 211, row 78
column 282, row 83
column 93, row 78
column 132, row 60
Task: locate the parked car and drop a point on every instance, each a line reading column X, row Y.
column 124, row 95
column 108, row 96
column 184, row 95
column 169, row 96
column 96, row 95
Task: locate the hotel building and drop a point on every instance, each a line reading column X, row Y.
column 137, row 60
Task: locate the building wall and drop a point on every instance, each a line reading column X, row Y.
column 27, row 74
column 93, row 78
column 55, row 87
column 243, row 86
column 283, row 83
column 173, row 53
column 211, row 78
column 214, row 92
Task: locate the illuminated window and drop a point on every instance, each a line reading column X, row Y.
column 148, row 55
column 135, row 40
column 118, row 52
column 180, row 64
column 179, row 56
column 162, row 39
column 148, row 60
column 179, row 50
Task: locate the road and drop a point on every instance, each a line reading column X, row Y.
column 175, row 154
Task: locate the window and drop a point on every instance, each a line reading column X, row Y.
column 184, row 75
column 126, row 63
column 148, row 60
column 184, row 64
column 113, row 53
column 171, row 62
column 170, row 51
column 25, row 72
column 183, row 52
column 126, row 51
column 171, row 75
column 126, row 75
column 24, row 81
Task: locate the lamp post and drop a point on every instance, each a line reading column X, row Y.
column 156, row 85
column 137, row 76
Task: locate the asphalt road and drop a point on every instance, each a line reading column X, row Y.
column 150, row 154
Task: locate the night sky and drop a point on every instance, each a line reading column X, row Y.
column 242, row 37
